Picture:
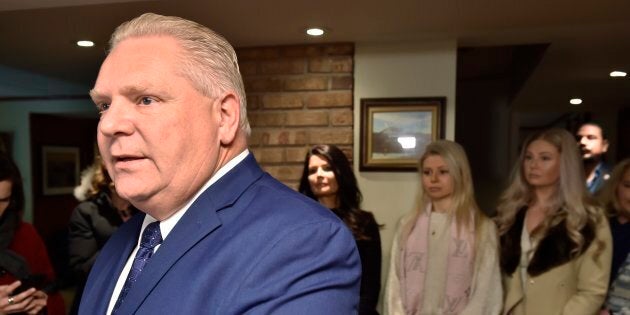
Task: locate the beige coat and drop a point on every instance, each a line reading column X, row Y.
column 577, row 287
column 486, row 293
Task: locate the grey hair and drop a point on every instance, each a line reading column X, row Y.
column 209, row 61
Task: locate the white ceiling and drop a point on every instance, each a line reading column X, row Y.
column 587, row 38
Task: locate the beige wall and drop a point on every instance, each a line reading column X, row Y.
column 399, row 70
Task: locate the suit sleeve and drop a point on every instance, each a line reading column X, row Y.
column 310, row 269
column 593, row 272
column 83, row 247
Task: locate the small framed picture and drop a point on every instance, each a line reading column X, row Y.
column 395, row 131
column 60, row 169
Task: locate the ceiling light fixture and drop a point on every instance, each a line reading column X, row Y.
column 85, row 43
column 575, row 101
column 617, row 74
column 314, row 31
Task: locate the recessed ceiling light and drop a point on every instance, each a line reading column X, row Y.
column 85, row 43
column 575, row 101
column 616, row 74
column 315, row 31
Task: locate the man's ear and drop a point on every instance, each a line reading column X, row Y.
column 229, row 111
column 604, row 146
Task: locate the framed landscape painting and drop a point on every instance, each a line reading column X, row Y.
column 395, row 131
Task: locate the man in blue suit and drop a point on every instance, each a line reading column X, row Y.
column 229, row 239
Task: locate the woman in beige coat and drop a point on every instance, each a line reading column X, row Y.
column 555, row 243
column 445, row 255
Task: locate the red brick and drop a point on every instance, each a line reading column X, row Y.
column 253, row 101
column 331, row 136
column 342, row 64
column 307, row 118
column 348, row 151
column 310, row 83
column 342, row 83
column 340, row 49
column 329, row 99
column 248, row 67
column 280, row 136
column 341, row 117
column 285, row 100
column 296, row 154
column 263, row 85
column 269, row 155
column 287, row 66
column 285, row 173
column 255, row 138
column 257, row 53
column 267, row 119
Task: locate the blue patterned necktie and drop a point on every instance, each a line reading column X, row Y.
column 151, row 237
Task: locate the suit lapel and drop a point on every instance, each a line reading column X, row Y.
column 107, row 271
column 200, row 220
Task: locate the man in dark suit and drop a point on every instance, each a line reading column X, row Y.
column 219, row 236
column 593, row 146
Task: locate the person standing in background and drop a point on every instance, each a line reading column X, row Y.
column 23, row 256
column 93, row 222
column 328, row 178
column 593, row 145
column 616, row 199
column 555, row 241
column 444, row 258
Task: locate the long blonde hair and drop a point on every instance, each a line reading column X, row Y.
column 463, row 192
column 609, row 193
column 571, row 201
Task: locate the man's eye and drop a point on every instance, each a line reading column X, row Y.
column 146, row 100
column 103, row 107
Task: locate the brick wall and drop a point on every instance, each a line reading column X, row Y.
column 298, row 96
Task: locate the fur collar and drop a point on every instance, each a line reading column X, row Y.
column 552, row 251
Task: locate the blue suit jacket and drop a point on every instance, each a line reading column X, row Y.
column 247, row 245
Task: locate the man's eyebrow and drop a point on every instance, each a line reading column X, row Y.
column 134, row 89
column 128, row 90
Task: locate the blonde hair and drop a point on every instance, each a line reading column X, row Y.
column 571, row 201
column 209, row 61
column 609, row 193
column 463, row 196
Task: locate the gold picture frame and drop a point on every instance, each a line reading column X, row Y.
column 395, row 131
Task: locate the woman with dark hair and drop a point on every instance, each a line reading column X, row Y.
column 329, row 179
column 555, row 242
column 24, row 262
column 93, row 221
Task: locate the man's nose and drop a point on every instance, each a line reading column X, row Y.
column 116, row 120
column 583, row 141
